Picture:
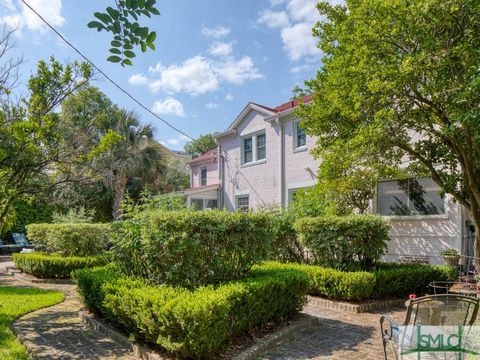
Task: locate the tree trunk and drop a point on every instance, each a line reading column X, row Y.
column 476, row 221
column 119, row 189
column 4, row 213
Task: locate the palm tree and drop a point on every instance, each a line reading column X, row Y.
column 136, row 154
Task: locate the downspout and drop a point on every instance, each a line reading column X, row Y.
column 222, row 178
column 282, row 162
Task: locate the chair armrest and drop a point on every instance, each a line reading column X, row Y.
column 389, row 328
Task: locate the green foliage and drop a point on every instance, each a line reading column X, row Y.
column 191, row 248
column 74, row 216
column 175, row 177
column 394, row 69
column 401, row 280
column 121, row 21
column 193, row 324
column 32, row 136
column 200, row 145
column 48, row 266
column 387, row 281
column 29, row 211
column 311, row 202
column 343, row 242
column 17, row 301
column 285, row 246
column 333, row 283
column 70, row 239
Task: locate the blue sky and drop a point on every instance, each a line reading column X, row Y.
column 212, row 56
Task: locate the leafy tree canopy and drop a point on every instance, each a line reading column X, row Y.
column 400, row 85
column 200, row 145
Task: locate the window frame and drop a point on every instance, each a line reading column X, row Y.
column 409, row 217
column 203, row 168
column 255, row 159
column 237, row 200
column 296, row 147
column 204, row 203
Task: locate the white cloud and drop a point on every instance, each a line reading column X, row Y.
column 229, row 97
column 298, row 41
column 173, row 141
column 273, row 19
column 221, row 49
column 216, row 32
column 168, row 106
column 194, row 76
column 238, row 71
column 211, row 105
column 138, row 79
column 303, row 10
column 300, row 68
column 23, row 17
column 184, row 137
column 199, row 74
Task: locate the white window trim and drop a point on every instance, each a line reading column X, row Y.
column 237, row 197
column 206, row 175
column 204, row 202
column 409, row 217
column 297, row 148
column 254, row 148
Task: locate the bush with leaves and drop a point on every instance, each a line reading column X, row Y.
column 344, row 241
column 193, row 324
column 48, row 266
column 74, row 216
column 127, row 32
column 70, row 239
column 192, row 248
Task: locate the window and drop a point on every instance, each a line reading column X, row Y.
column 254, row 148
column 203, row 177
column 242, row 203
column 261, row 147
column 196, row 204
column 203, row 204
column 247, row 150
column 300, row 139
column 409, row 197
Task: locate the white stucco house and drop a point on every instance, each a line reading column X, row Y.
column 264, row 158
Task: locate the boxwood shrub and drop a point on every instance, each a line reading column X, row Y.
column 387, row 281
column 70, row 239
column 53, row 266
column 192, row 248
column 343, row 241
column 193, row 324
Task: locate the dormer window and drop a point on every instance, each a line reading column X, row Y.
column 254, row 148
column 203, row 177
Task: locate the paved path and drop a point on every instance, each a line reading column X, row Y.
column 336, row 335
column 57, row 332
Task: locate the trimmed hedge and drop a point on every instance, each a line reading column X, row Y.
column 52, row 266
column 388, row 281
column 193, row 324
column 70, row 239
column 192, row 248
column 343, row 241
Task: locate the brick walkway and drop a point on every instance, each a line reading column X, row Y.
column 336, row 335
column 58, row 333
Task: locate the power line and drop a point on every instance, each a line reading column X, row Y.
column 105, row 75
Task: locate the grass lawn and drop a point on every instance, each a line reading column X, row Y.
column 15, row 301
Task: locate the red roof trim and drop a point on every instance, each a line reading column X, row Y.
column 209, row 155
column 293, row 103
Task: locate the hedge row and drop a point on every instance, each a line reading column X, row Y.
column 51, row 266
column 70, row 239
column 392, row 281
column 192, row 248
column 343, row 241
column 193, row 324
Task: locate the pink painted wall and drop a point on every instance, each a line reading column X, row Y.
column 212, row 173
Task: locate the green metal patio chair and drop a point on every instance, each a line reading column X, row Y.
column 431, row 310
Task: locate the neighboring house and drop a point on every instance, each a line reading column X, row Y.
column 204, row 181
column 264, row 157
